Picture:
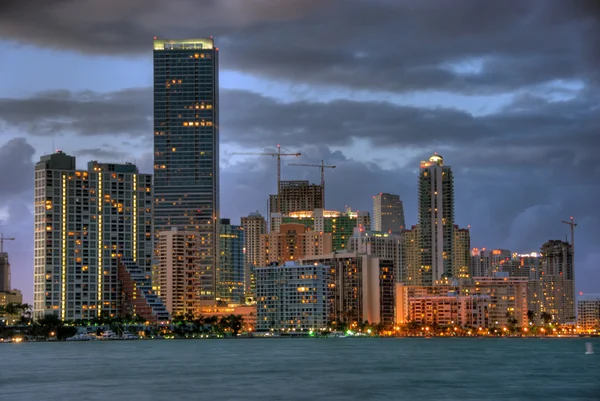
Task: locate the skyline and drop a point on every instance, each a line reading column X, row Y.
column 522, row 148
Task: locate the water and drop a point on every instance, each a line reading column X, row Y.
column 302, row 369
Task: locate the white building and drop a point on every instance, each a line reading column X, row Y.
column 294, row 296
column 588, row 312
column 84, row 221
column 254, row 226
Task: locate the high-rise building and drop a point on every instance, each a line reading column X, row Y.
column 177, row 275
column 294, row 296
column 297, row 195
column 380, row 244
column 85, row 220
column 231, row 268
column 462, row 253
column 554, row 291
column 388, row 213
column 254, row 226
column 488, row 262
column 186, row 146
column 411, row 272
column 436, row 219
column 4, row 272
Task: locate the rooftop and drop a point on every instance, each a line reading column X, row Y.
column 184, row 44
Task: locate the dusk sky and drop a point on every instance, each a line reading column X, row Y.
column 507, row 91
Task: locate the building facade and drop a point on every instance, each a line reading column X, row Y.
column 436, row 219
column 462, row 253
column 186, row 146
column 85, row 220
column 293, row 241
column 178, row 271
column 254, row 226
column 508, row 299
column 4, row 272
column 293, row 296
column 297, row 195
column 588, row 313
column 231, row 268
column 388, row 213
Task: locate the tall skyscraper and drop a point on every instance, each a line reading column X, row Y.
column 462, row 253
column 388, row 213
column 4, row 272
column 186, row 146
column 436, row 219
column 85, row 220
column 254, row 226
column 231, row 269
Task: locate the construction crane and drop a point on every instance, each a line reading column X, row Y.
column 279, row 155
column 572, row 224
column 322, row 166
column 2, row 239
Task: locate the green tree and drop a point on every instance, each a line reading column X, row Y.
column 546, row 317
column 530, row 316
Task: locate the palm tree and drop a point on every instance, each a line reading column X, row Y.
column 546, row 317
column 530, row 316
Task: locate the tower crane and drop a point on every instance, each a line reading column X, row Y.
column 279, row 155
column 322, row 166
column 572, row 224
column 2, row 239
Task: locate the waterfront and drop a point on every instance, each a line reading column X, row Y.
column 303, row 369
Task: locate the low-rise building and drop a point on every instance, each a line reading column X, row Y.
column 588, row 312
column 294, row 296
column 137, row 296
column 9, row 297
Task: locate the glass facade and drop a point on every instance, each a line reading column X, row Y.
column 230, row 286
column 186, row 146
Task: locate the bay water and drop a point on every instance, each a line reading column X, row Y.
column 302, row 369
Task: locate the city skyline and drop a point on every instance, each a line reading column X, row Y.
column 520, row 166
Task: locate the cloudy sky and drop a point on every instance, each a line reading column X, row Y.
column 508, row 92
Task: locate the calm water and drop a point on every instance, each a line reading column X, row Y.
column 302, row 369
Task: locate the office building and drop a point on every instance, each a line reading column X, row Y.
column 4, row 272
column 254, row 226
column 293, row 241
column 294, row 296
column 588, row 312
column 186, row 147
column 412, row 274
column 388, row 213
column 436, row 219
column 462, row 253
column 85, row 220
column 177, row 277
column 297, row 195
column 488, row 262
column 525, row 265
column 380, row 244
column 231, row 268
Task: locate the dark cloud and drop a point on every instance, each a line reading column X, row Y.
column 462, row 45
column 16, row 165
column 84, row 113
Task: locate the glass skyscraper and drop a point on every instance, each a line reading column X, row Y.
column 186, row 147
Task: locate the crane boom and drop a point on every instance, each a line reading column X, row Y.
column 322, row 166
column 2, row 239
column 273, row 154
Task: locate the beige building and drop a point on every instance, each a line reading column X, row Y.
column 462, row 253
column 588, row 312
column 254, row 225
column 176, row 277
column 9, row 297
column 293, row 241
column 411, row 262
column 508, row 298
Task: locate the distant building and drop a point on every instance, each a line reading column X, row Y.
column 554, row 291
column 388, row 213
column 461, row 267
column 588, row 312
column 339, row 224
column 294, row 296
column 254, row 226
column 293, row 241
column 488, row 262
column 231, row 267
column 137, row 297
column 412, row 273
column 383, row 245
column 296, row 196
column 177, row 277
column 186, row 147
column 4, row 272
column 9, row 297
column 508, row 298
column 436, row 219
column 85, row 220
